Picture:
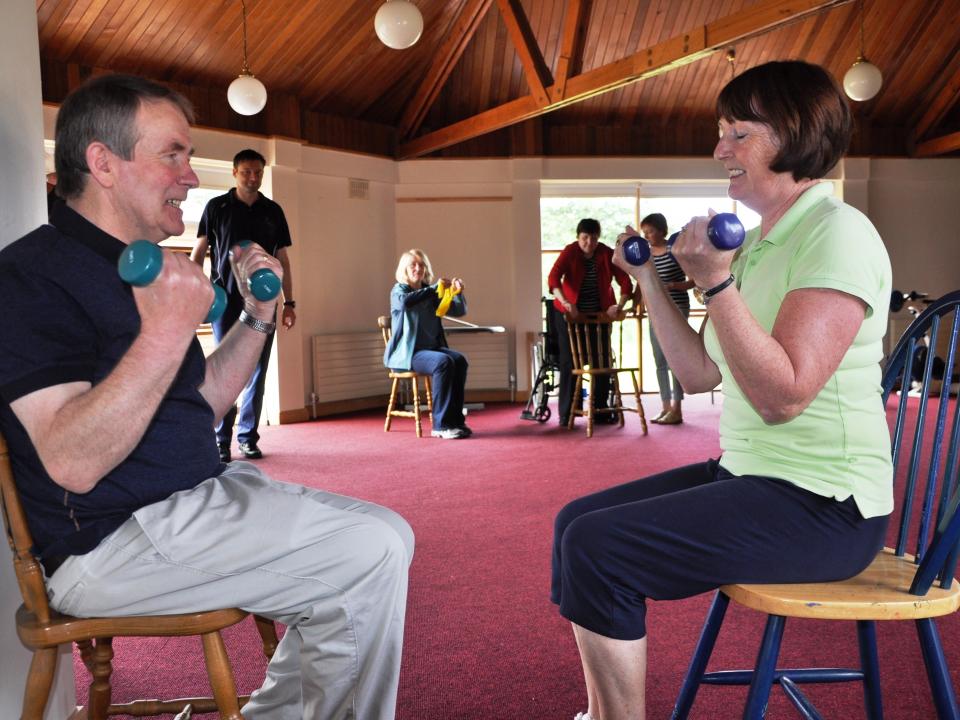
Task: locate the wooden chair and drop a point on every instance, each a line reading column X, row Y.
column 593, row 357
column 42, row 629
column 383, row 322
column 897, row 585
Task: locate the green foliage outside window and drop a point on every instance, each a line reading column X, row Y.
column 559, row 218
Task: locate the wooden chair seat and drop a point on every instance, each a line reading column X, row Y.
column 44, row 637
column 410, row 376
column 68, row 629
column 881, row 592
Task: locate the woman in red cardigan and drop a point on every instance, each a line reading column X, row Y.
column 580, row 282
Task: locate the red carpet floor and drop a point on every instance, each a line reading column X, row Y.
column 482, row 639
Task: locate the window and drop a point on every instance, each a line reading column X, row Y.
column 192, row 208
column 558, row 226
column 678, row 202
column 558, row 223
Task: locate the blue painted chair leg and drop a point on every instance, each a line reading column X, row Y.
column 870, row 664
column 800, row 701
column 701, row 656
column 759, row 695
column 937, row 673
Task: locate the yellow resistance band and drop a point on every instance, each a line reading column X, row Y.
column 446, row 296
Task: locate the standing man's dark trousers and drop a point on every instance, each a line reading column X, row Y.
column 601, row 383
column 251, row 398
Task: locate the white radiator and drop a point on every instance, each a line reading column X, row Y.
column 489, row 358
column 349, row 366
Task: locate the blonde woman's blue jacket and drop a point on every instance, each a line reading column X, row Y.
column 409, row 308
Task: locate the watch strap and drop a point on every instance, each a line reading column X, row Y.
column 708, row 294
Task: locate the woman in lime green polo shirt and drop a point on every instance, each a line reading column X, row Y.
column 796, row 316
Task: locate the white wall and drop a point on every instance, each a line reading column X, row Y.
column 915, row 205
column 23, row 206
column 345, row 248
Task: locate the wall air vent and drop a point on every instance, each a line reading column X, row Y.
column 358, row 189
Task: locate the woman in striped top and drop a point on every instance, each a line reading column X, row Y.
column 654, row 229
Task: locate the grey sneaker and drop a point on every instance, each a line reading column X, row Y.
column 448, row 433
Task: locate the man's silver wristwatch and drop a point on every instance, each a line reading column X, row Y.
column 254, row 324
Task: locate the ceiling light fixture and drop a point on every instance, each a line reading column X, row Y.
column 398, row 24
column 863, row 80
column 246, row 94
column 732, row 59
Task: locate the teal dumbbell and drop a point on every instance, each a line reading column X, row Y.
column 263, row 283
column 141, row 262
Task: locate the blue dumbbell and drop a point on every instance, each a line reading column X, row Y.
column 263, row 283
column 725, row 232
column 141, row 262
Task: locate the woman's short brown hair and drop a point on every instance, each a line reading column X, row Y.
column 656, row 221
column 804, row 107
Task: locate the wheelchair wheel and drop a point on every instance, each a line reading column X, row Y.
column 541, row 414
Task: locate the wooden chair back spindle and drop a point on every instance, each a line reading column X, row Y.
column 27, row 568
column 933, row 441
column 590, row 338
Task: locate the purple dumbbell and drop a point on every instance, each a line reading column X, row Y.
column 725, row 232
column 636, row 250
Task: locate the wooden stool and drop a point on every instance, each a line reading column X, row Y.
column 383, row 322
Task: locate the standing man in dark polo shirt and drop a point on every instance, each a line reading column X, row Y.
column 244, row 213
column 108, row 404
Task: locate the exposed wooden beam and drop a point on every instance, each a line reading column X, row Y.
column 938, row 146
column 663, row 57
column 524, row 42
column 571, row 45
column 443, row 63
column 948, row 96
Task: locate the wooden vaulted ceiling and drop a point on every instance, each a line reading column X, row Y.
column 514, row 77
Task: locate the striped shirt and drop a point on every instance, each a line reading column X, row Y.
column 588, row 301
column 670, row 271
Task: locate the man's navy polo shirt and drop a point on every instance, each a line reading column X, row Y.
column 67, row 317
column 227, row 220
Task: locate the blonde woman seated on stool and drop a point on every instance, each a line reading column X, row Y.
column 418, row 342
